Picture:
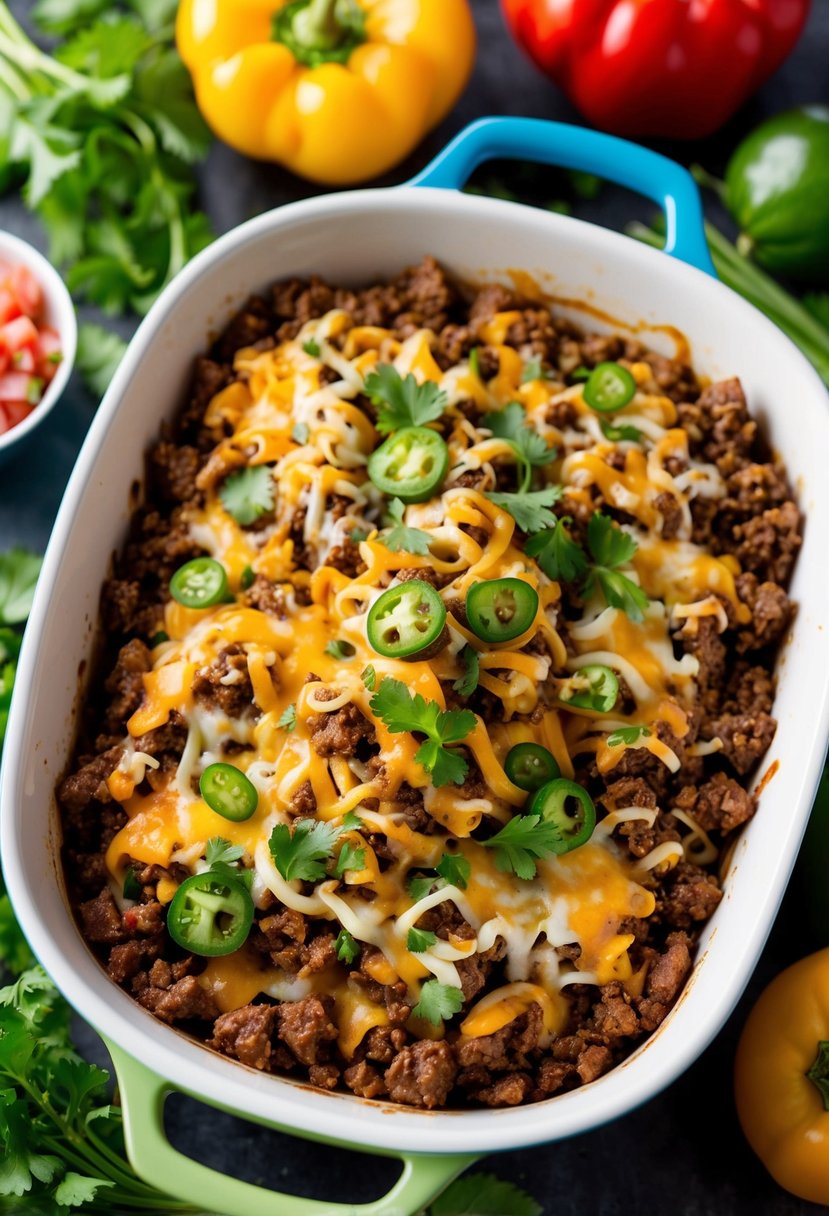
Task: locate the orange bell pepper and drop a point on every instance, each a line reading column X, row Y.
column 336, row 90
column 782, row 1078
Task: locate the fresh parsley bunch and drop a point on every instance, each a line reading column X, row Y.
column 103, row 135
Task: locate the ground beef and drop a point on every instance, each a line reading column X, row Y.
column 771, row 611
column 689, row 895
column 306, row 1028
column 745, row 737
column 422, row 1075
column 720, row 805
column 172, row 470
column 339, row 733
column 185, row 1001
column 225, row 683
column 101, row 919
column 88, row 784
column 126, row 684
column 246, row 1034
column 266, row 597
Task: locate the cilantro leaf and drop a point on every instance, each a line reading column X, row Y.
column 627, row 735
column 522, row 841
column 338, row 649
column 221, row 852
column 420, row 886
column 533, row 370
column 580, row 373
column 403, row 402
column 410, row 540
column 466, row 684
column 19, row 570
column 530, row 509
column 418, row 940
column 529, row 448
column 247, row 578
column 455, row 869
column 611, row 547
column 351, row 858
column 351, row 821
column 99, row 353
column 304, row 852
column 248, row 494
column 369, row 677
column 475, row 362
column 312, row 348
column 608, row 544
column 559, row 556
column 346, row 947
column 400, row 711
column 484, row 1195
column 76, row 1189
column 619, row 434
column 287, row 719
column 357, row 535
column 438, row 1002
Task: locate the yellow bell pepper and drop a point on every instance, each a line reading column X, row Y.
column 782, row 1078
column 336, row 90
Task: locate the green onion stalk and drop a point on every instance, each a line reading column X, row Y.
column 761, row 290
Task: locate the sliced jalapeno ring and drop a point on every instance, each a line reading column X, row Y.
column 609, row 387
column 529, row 766
column 200, row 583
column 406, row 619
column 228, row 792
column 411, row 465
column 501, row 609
column 573, row 828
column 593, row 687
column 210, row 914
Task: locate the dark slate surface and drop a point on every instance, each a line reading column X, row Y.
column 681, row 1154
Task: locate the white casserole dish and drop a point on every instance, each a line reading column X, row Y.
column 353, row 238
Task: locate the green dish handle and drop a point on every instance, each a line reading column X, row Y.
column 157, row 1162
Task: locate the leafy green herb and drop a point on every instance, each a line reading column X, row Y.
column 475, row 362
column 18, row 574
column 409, row 540
column 610, row 548
column 438, row 1002
column 627, row 735
column 357, row 535
column 455, row 869
column 248, row 578
column 98, row 355
column 304, row 852
column 287, row 719
column 533, row 370
column 301, row 433
column 403, row 402
column 351, row 821
column 312, row 348
column 620, row 434
column 418, row 940
column 530, row 510
column 466, row 684
column 158, row 639
column 248, row 494
column 580, row 373
column 131, row 888
column 559, row 556
column 219, row 851
column 351, row 857
column 346, row 947
column 522, row 841
column 8, row 671
column 339, row 649
column 484, row 1195
column 420, row 886
column 400, row 711
column 369, row 677
column 34, row 389
column 529, row 447
column 104, row 134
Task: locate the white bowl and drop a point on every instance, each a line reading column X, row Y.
column 59, row 313
column 353, row 238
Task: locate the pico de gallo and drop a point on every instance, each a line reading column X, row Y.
column 30, row 351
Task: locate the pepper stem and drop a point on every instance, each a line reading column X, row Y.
column 818, row 1074
column 320, row 31
column 317, row 27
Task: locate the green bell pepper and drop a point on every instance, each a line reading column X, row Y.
column 777, row 190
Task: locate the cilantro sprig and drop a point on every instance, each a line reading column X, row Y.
column 403, row 402
column 419, row 940
column 438, row 1002
column 453, row 870
column 559, row 556
column 400, row 537
column 521, row 842
column 531, row 508
column 347, row 949
column 18, row 575
column 610, row 548
column 248, row 494
column 528, row 447
column 400, row 711
column 287, row 719
column 628, row 735
column 466, row 684
column 305, row 852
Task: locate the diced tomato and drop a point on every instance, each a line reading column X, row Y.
column 26, row 290
column 23, row 360
column 49, row 354
column 14, row 386
column 13, row 412
column 20, row 334
column 9, row 307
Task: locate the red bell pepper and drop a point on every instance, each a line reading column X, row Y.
column 676, row 68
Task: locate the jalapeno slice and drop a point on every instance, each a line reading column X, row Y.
column 410, row 465
column 593, row 687
column 501, row 609
column 200, row 583
column 609, row 387
column 529, row 766
column 228, row 792
column 210, row 914
column 405, row 620
column 573, row 828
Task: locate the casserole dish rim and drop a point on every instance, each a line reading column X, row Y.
column 274, row 1099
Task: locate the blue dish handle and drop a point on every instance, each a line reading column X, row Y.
column 571, row 147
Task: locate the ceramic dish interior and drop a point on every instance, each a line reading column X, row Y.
column 354, row 238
